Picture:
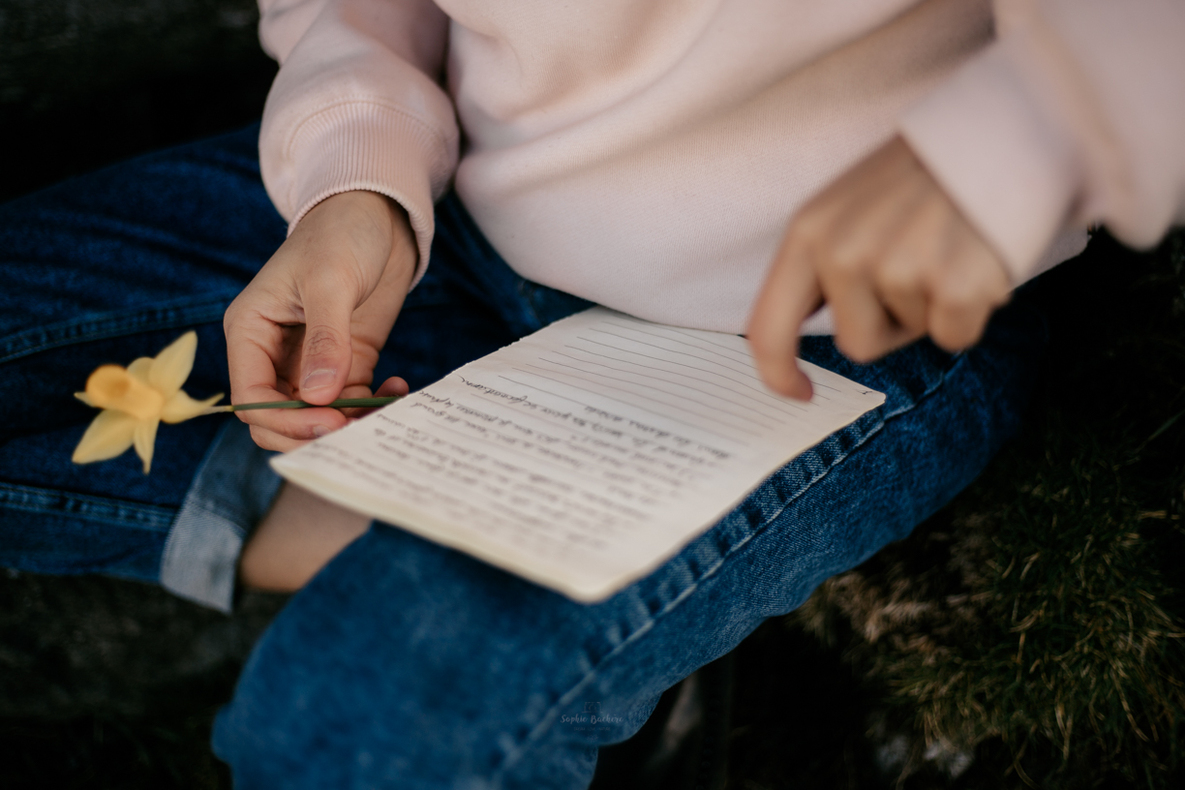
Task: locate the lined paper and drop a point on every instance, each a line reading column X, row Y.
column 582, row 456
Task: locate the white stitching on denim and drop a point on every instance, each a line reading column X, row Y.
column 32, row 499
column 113, row 324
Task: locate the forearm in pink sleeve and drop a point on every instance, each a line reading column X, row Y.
column 1074, row 116
column 357, row 104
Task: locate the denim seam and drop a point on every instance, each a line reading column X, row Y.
column 82, row 221
column 552, row 713
column 86, row 221
column 30, row 499
column 112, row 324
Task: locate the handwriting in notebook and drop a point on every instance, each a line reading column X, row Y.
column 581, row 456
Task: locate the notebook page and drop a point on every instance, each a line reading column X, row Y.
column 582, row 456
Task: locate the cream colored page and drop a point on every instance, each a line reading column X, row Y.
column 582, row 456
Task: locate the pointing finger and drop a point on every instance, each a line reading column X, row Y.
column 790, row 295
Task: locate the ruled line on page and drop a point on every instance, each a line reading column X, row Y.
column 758, row 406
column 748, row 356
column 574, row 487
column 774, row 400
column 540, row 389
column 579, row 465
column 745, row 372
column 572, row 483
column 679, row 394
column 735, row 354
column 696, row 426
column 638, row 468
column 601, row 384
column 748, row 370
column 521, row 414
column 466, row 437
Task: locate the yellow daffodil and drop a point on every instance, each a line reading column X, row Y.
column 135, row 399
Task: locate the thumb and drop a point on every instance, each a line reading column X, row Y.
column 326, row 354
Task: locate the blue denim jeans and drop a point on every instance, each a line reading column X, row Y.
column 404, row 664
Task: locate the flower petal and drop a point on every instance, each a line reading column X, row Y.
column 145, row 440
column 109, row 435
column 171, row 367
column 140, row 368
column 181, row 407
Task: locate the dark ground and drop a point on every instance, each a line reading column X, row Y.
column 111, row 684
column 84, row 83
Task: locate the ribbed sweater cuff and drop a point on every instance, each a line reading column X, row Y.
column 369, row 146
column 992, row 144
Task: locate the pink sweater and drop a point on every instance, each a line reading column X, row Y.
column 647, row 154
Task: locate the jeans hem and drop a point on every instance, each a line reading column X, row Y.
column 231, row 492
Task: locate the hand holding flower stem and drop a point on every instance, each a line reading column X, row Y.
column 311, row 324
column 340, row 403
column 136, row 399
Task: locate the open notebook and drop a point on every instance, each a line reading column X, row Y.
column 582, row 456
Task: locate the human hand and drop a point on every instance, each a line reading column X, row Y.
column 311, row 323
column 894, row 259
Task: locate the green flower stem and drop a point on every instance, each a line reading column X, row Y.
column 340, row 403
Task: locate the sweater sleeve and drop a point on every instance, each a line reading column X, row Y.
column 357, row 105
column 1073, row 116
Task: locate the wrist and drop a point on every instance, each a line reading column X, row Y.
column 405, row 254
column 374, row 216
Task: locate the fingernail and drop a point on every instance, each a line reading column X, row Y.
column 320, row 430
column 322, row 377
